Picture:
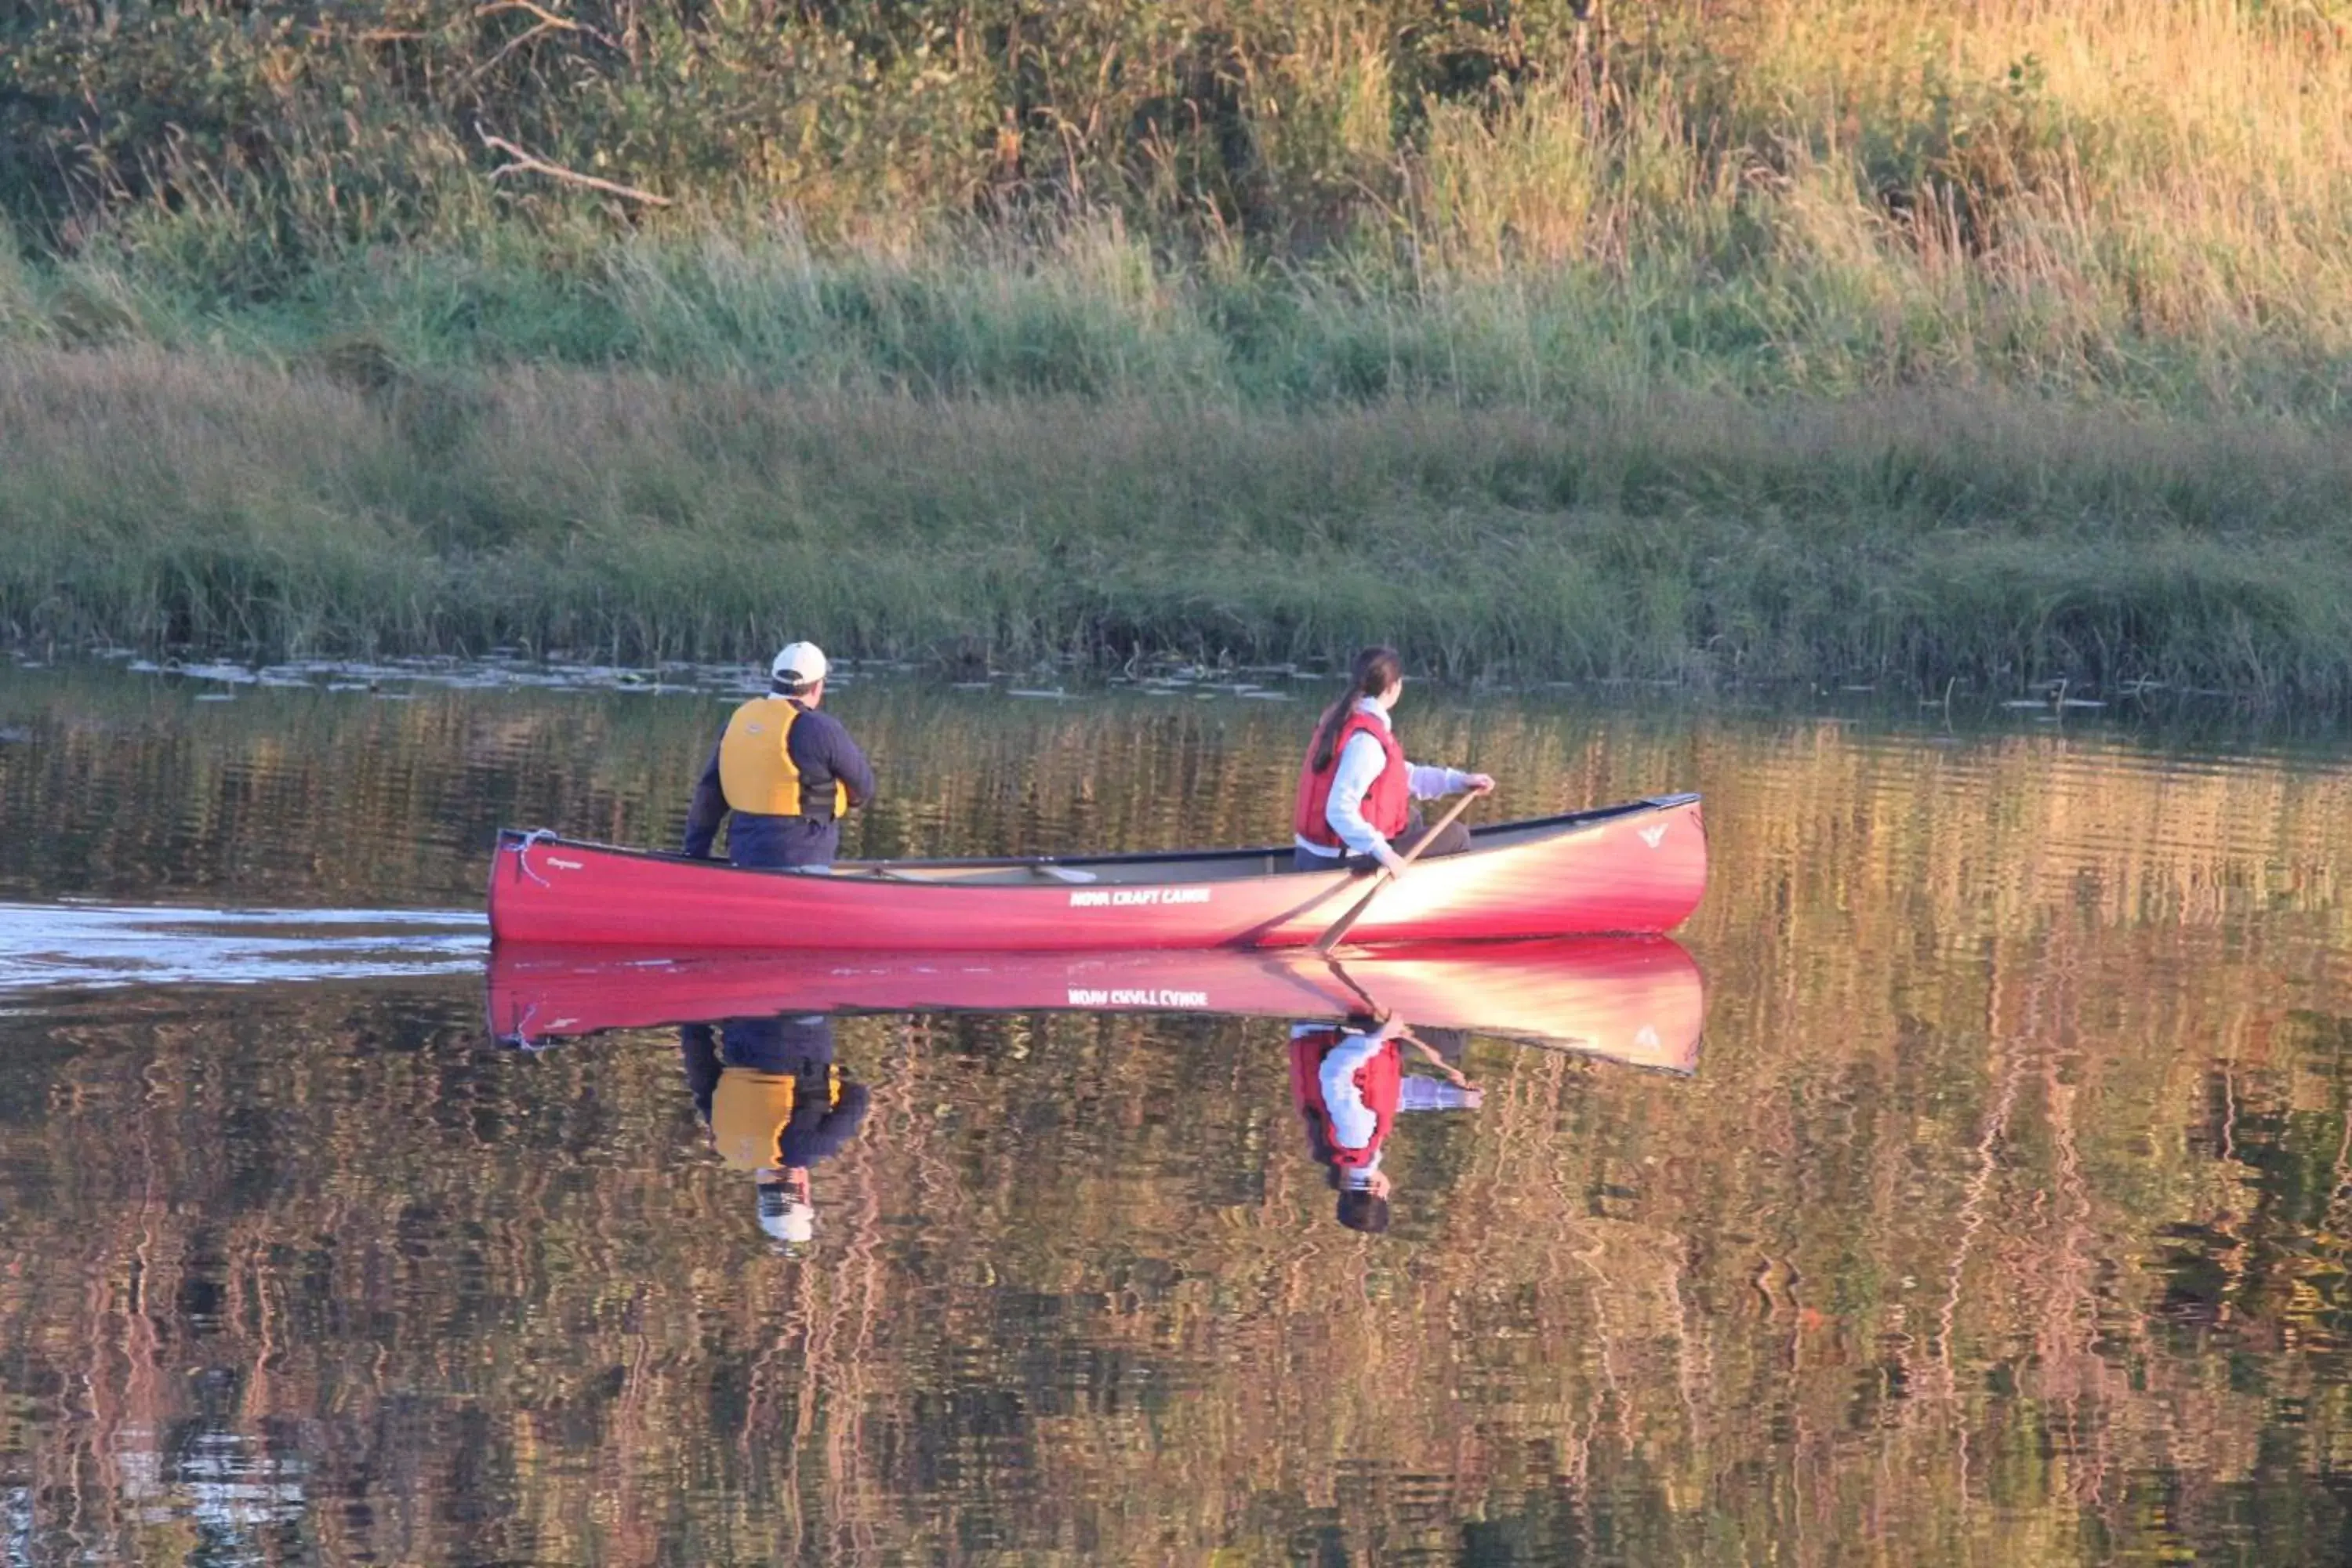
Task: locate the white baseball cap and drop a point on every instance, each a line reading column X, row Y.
column 801, row 664
column 786, row 1217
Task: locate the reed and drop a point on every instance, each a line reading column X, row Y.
column 355, row 503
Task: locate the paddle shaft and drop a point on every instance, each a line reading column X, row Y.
column 1330, row 939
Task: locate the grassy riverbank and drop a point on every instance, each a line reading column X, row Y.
column 195, row 497
column 1740, row 341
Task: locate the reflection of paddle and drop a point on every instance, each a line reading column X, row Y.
column 1437, row 1059
column 1330, row 939
column 1566, row 1045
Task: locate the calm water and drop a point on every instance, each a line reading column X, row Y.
column 2003, row 1217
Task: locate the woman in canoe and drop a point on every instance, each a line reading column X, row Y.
column 1356, row 789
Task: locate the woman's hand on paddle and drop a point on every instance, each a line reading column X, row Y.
column 1391, row 861
column 1479, row 783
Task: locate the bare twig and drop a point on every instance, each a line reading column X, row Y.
column 531, row 164
column 509, row 46
column 547, row 20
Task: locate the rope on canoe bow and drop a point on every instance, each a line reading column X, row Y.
column 522, row 852
column 520, row 1040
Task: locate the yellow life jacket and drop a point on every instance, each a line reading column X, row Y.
column 749, row 1110
column 755, row 764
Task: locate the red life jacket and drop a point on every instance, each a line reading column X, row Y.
column 1379, row 1080
column 1387, row 805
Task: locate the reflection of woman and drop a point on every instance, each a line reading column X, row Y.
column 1350, row 1084
column 1356, row 789
column 776, row 1104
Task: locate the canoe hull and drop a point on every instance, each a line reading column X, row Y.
column 1633, row 870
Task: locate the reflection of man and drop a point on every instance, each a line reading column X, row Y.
column 1350, row 1084
column 776, row 1104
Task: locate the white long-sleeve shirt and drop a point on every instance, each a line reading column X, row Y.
column 1352, row 1120
column 1361, row 762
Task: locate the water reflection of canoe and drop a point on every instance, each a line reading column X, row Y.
column 1632, row 870
column 1635, row 999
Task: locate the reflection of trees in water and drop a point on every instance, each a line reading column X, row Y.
column 338, row 796
column 485, row 1306
column 2007, row 1204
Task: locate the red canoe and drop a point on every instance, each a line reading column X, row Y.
column 1632, row 869
column 1631, row 999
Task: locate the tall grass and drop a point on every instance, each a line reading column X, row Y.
column 1093, row 311
column 2099, row 195
column 177, row 497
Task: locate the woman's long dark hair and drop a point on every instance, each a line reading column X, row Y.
column 1376, row 669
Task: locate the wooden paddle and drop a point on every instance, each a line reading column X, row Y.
column 1330, row 939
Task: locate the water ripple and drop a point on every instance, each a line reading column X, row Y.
column 84, row 946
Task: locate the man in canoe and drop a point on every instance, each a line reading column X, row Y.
column 1356, row 789
column 1349, row 1082
column 776, row 1104
column 788, row 773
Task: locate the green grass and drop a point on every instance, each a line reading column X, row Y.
column 1091, row 311
column 199, row 497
